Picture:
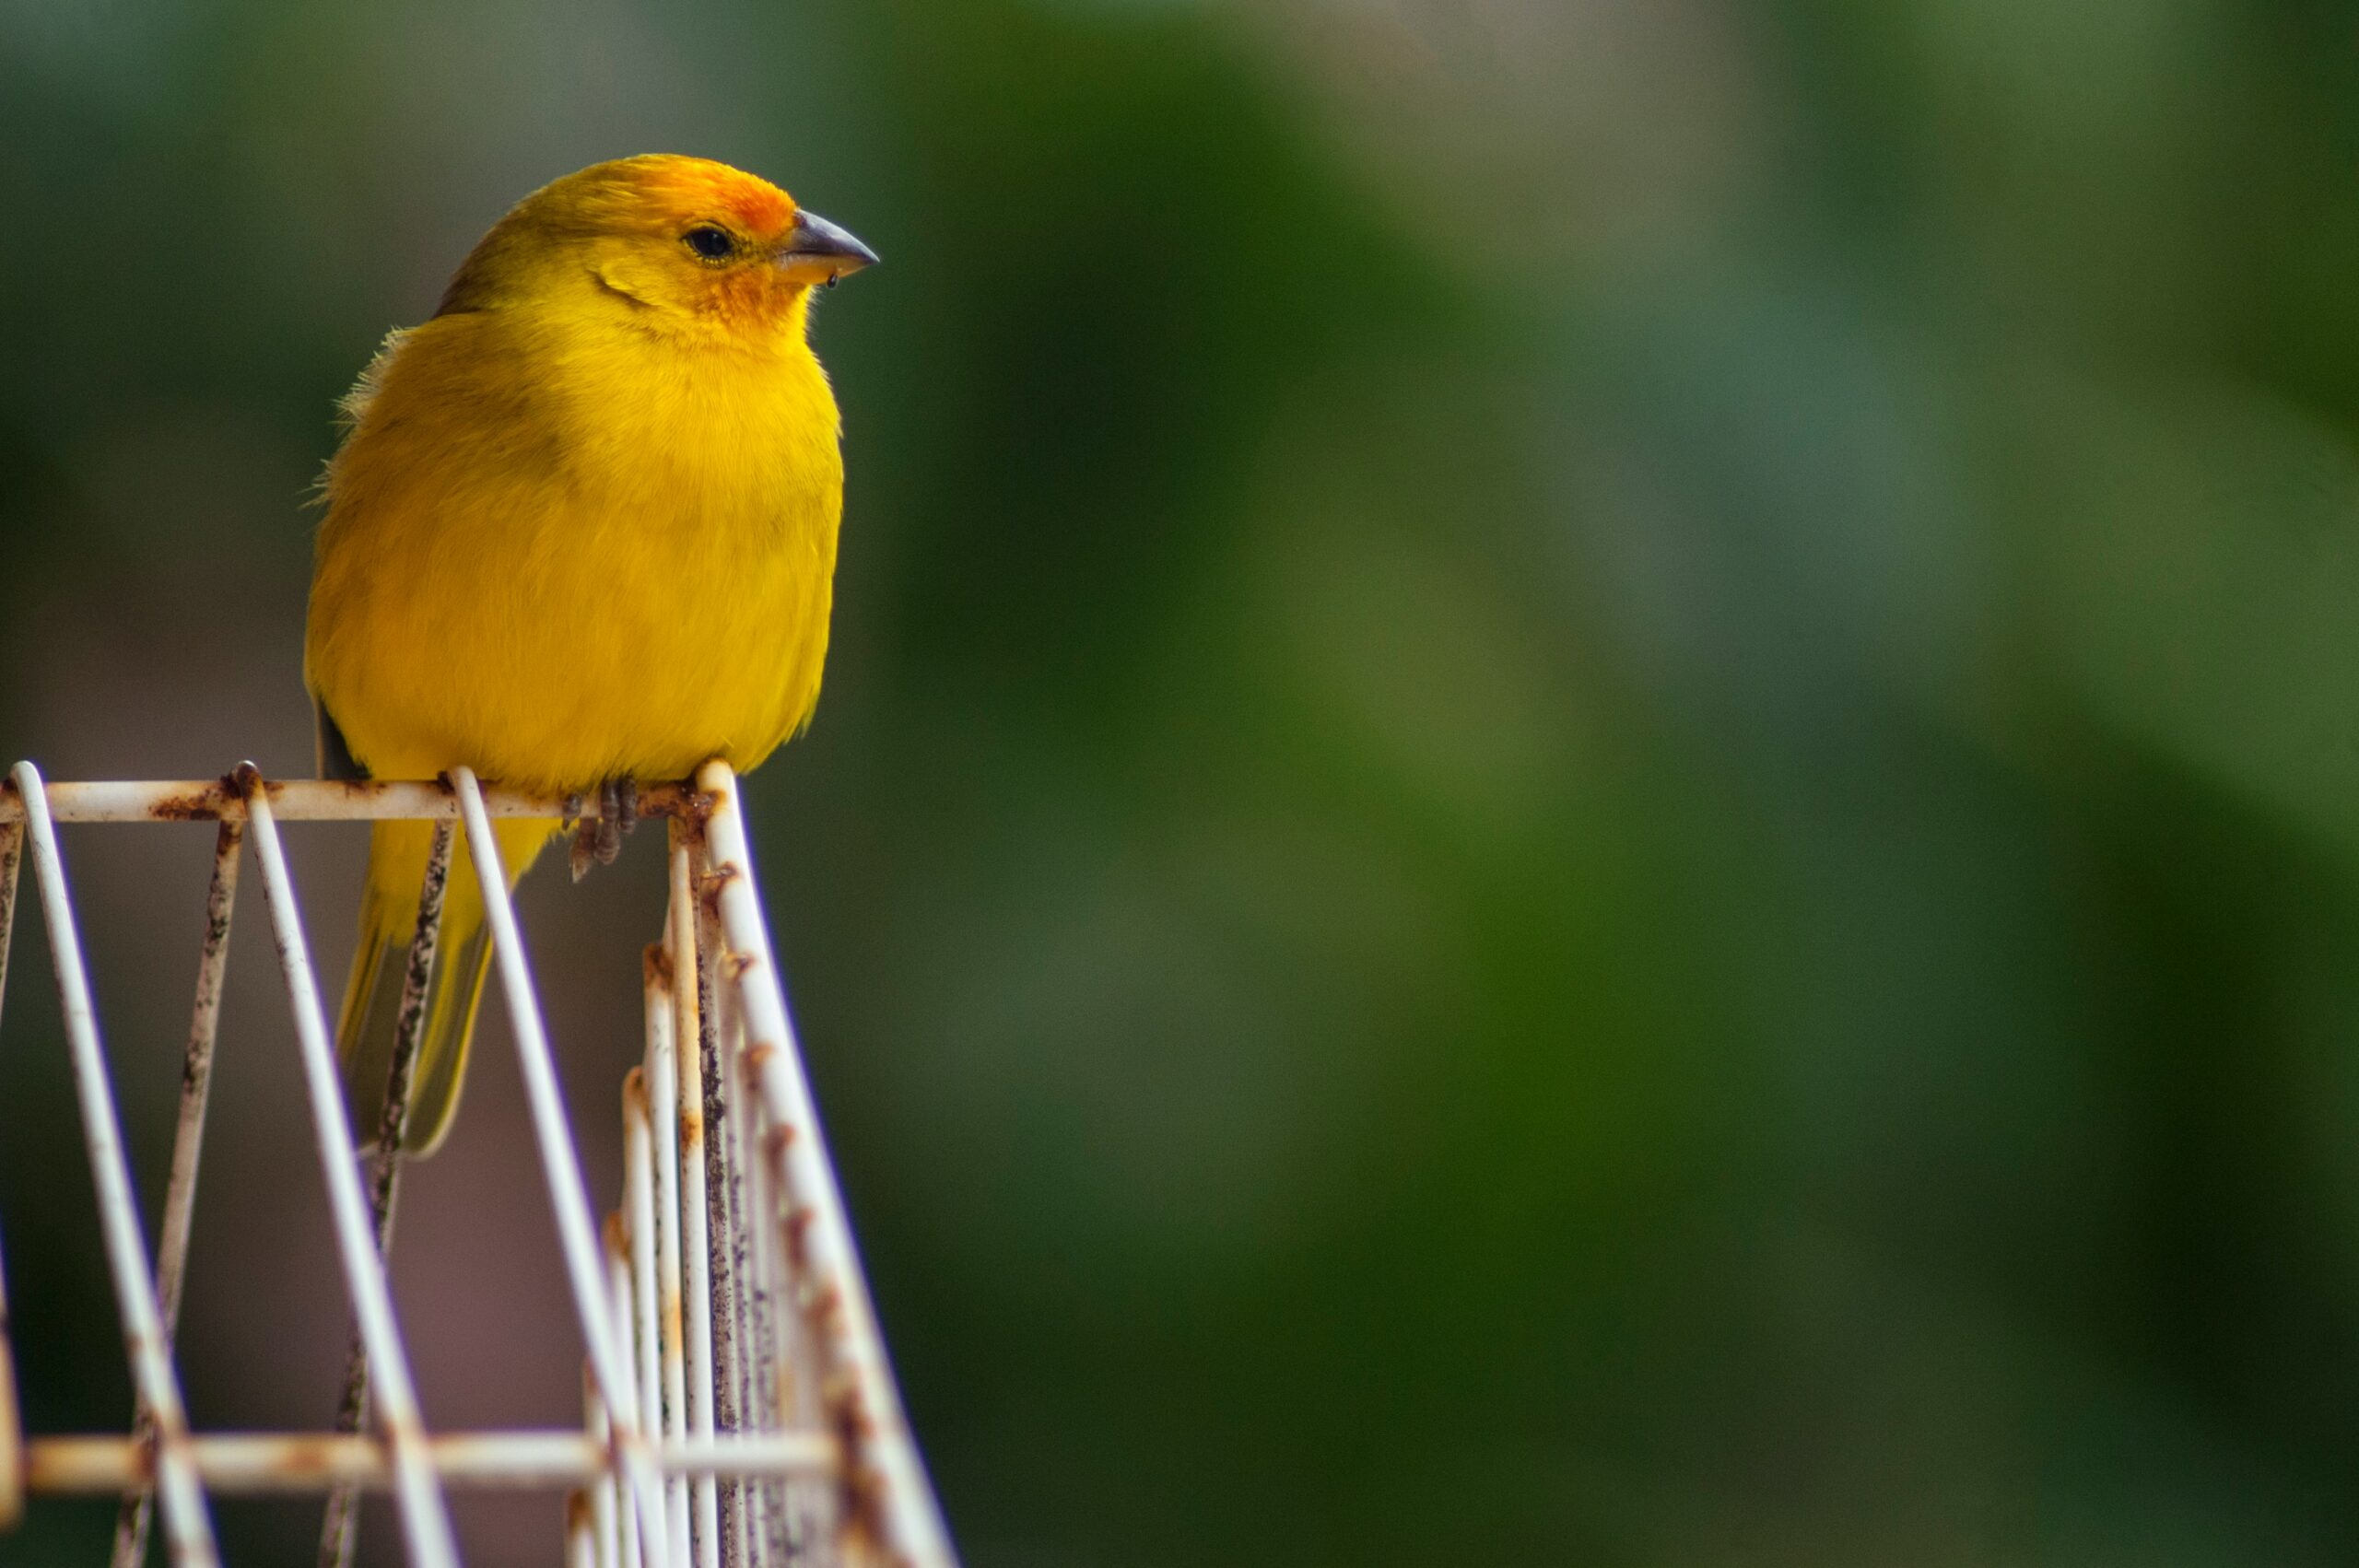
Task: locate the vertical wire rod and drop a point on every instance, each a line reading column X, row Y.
column 803, row 1391
column 606, row 1505
column 638, row 1312
column 618, row 1297
column 845, row 1328
column 12, row 844
column 765, row 1404
column 695, row 1261
column 12, row 1437
column 576, row 1235
column 188, row 1144
column 770, row 1349
column 663, row 1103
column 426, row 1519
column 12, row 1494
column 725, row 1236
column 188, row 1531
column 340, row 1521
column 581, row 1532
column 757, row 1379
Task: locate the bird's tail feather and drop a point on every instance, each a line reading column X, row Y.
column 397, row 855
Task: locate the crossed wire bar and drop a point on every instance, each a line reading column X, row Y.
column 739, row 1409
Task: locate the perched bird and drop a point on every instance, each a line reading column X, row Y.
column 580, row 531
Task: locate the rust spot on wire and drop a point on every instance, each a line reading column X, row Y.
column 861, row 1489
column 847, row 1411
column 617, row 1234
column 826, row 1310
column 143, row 1454
column 203, row 804
column 635, row 1091
column 362, row 789
column 739, row 964
column 710, row 887
column 303, row 1458
column 798, row 1249
column 655, row 966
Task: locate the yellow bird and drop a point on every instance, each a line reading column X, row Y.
column 580, row 531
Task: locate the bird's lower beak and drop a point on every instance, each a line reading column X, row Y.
column 820, row 251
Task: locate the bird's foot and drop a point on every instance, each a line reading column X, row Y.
column 617, row 814
column 597, row 840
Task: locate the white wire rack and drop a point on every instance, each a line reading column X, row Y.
column 739, row 1407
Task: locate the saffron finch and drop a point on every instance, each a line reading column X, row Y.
column 580, row 531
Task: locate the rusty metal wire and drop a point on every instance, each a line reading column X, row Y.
column 188, row 1141
column 188, row 1527
column 295, row 1463
column 739, row 1409
column 12, row 1448
column 340, row 1528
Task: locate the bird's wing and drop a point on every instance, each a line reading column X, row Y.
column 333, row 755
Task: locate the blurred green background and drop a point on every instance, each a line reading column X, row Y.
column 1590, row 792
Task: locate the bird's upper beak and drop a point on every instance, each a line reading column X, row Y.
column 820, row 251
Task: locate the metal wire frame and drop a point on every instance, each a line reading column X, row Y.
column 740, row 1409
column 340, row 1528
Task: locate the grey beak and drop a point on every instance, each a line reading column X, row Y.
column 820, row 251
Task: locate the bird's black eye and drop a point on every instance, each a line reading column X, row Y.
column 713, row 244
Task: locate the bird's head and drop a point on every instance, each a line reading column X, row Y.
column 678, row 245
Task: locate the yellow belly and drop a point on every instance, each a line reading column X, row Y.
column 556, row 589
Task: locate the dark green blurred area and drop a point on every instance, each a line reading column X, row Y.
column 1589, row 790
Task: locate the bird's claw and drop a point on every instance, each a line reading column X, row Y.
column 597, row 840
